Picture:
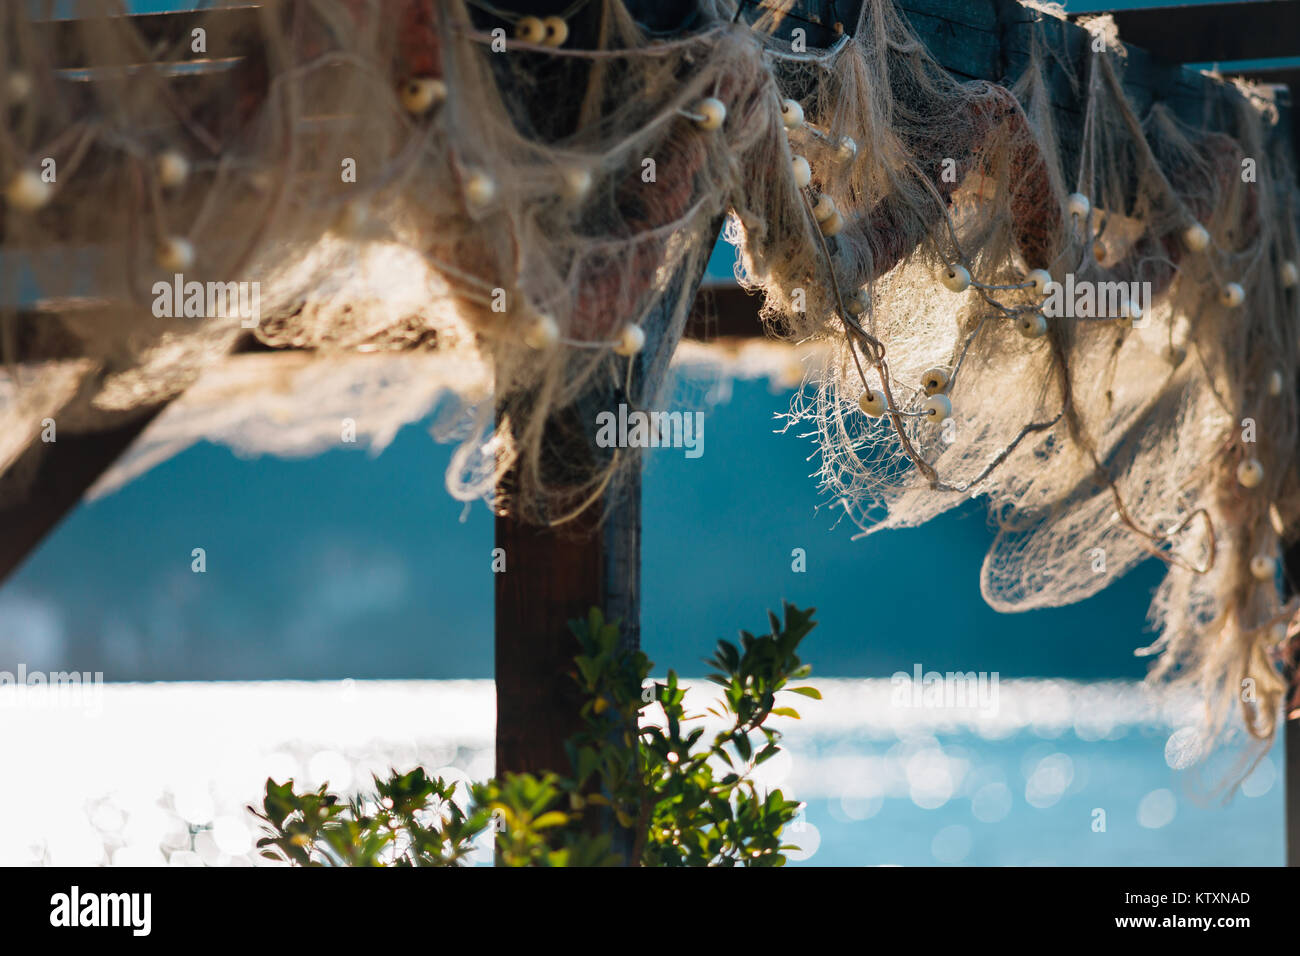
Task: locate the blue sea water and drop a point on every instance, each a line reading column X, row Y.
column 1057, row 772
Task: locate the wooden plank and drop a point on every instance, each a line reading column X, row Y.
column 233, row 30
column 55, row 477
column 979, row 15
column 969, row 52
column 1199, row 100
column 1208, row 32
column 1288, row 77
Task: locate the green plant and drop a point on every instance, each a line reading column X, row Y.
column 409, row 821
column 685, row 800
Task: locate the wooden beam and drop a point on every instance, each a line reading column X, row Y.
column 1211, row 32
column 723, row 310
column 232, row 31
column 54, row 477
column 1288, row 77
column 553, row 576
column 74, row 463
column 38, row 333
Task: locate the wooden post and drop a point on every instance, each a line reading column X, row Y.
column 552, row 576
column 555, row 575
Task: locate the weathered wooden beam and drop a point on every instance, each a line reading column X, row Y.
column 1281, row 77
column 55, row 476
column 553, row 576
column 1211, row 32
column 724, row 311
column 41, row 334
column 718, row 311
column 963, row 36
column 231, row 31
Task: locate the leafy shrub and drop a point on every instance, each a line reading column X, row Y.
column 680, row 800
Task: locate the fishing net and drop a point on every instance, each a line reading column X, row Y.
column 1094, row 330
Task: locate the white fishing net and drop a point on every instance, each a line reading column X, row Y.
column 533, row 207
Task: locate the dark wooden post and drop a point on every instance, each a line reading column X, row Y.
column 554, row 575
column 557, row 574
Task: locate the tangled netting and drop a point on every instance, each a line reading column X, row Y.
column 536, row 199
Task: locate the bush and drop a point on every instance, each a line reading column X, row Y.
column 678, row 799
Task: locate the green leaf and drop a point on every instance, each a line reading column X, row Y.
column 812, row 692
column 743, row 746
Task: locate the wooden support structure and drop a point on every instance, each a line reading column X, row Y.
column 1213, row 32
column 52, row 484
column 552, row 576
column 1234, row 37
column 557, row 574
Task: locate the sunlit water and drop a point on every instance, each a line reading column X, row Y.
column 1052, row 772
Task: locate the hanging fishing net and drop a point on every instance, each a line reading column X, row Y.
column 1092, row 331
